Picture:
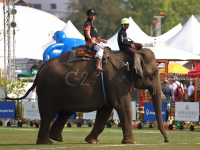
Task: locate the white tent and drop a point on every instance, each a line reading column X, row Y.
column 34, row 29
column 187, row 39
column 70, row 31
column 133, row 32
column 164, row 37
column 165, row 52
column 137, row 35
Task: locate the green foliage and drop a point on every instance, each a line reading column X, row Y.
column 176, row 11
column 110, row 13
column 16, row 88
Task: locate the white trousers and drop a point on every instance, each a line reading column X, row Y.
column 99, row 50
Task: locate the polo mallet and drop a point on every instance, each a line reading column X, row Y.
column 130, row 39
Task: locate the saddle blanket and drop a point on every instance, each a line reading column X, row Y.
column 75, row 55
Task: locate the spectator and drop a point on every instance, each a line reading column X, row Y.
column 191, row 92
column 167, row 91
column 175, row 84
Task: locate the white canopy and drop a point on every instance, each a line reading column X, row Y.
column 137, row 35
column 133, row 32
column 34, row 29
column 164, row 37
column 165, row 52
column 70, row 31
column 187, row 39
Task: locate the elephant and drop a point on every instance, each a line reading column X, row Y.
column 64, row 88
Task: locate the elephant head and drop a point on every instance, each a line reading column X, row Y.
column 146, row 76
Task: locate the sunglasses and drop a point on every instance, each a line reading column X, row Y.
column 92, row 14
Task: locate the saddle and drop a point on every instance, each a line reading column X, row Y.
column 86, row 51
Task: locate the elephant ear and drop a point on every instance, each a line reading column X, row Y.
column 137, row 65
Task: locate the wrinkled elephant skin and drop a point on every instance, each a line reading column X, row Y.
column 67, row 87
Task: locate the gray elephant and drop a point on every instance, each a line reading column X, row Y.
column 67, row 87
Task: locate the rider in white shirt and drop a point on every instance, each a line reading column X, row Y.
column 191, row 92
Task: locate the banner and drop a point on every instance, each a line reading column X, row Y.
column 7, row 109
column 116, row 117
column 149, row 114
column 187, row 111
column 90, row 115
column 31, row 110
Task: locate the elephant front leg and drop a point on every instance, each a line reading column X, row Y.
column 102, row 117
column 124, row 110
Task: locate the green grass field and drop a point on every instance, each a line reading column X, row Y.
column 15, row 138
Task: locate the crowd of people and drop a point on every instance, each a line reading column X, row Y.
column 177, row 91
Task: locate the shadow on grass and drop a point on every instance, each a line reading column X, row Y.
column 56, row 144
column 14, row 144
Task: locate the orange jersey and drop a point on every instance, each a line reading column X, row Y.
column 94, row 39
column 89, row 26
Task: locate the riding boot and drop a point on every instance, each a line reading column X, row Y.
column 98, row 68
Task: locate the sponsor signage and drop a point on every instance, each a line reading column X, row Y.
column 116, row 117
column 187, row 111
column 149, row 113
column 31, row 111
column 90, row 115
column 7, row 109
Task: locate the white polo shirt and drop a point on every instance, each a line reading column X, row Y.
column 190, row 89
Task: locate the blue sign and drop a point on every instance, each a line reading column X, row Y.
column 149, row 114
column 7, row 109
column 71, row 117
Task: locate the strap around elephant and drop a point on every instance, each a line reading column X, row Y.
column 122, row 75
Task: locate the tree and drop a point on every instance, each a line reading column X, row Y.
column 15, row 89
column 177, row 11
column 109, row 15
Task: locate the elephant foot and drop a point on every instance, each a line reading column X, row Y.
column 44, row 141
column 166, row 140
column 129, row 140
column 56, row 136
column 91, row 140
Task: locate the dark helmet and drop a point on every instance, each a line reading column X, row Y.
column 91, row 11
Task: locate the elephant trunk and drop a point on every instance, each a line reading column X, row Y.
column 155, row 91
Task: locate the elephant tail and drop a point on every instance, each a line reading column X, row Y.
column 32, row 87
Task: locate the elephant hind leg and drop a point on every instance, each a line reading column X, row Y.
column 58, row 125
column 43, row 134
column 102, row 117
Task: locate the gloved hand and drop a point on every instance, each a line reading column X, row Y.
column 132, row 46
column 93, row 42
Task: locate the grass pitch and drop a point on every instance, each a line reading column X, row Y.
column 16, row 138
